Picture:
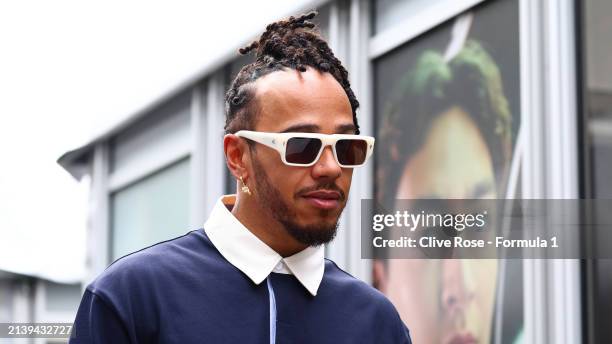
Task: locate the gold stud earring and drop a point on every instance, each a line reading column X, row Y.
column 245, row 188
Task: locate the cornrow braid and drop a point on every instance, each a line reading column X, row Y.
column 293, row 43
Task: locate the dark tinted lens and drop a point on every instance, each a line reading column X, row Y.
column 351, row 152
column 302, row 150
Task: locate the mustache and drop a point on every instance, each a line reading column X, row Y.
column 322, row 187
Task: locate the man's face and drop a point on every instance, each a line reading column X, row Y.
column 298, row 197
column 453, row 163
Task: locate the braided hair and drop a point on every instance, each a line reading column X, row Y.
column 294, row 43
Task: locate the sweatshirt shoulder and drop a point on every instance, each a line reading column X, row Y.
column 362, row 296
column 342, row 281
column 140, row 266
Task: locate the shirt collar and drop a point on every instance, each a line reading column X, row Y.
column 252, row 256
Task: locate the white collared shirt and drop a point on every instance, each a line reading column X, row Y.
column 253, row 257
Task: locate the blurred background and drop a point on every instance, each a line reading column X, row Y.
column 111, row 123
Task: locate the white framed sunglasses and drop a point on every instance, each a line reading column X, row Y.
column 304, row 149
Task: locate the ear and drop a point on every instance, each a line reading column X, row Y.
column 236, row 155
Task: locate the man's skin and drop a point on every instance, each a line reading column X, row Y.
column 291, row 101
column 451, row 298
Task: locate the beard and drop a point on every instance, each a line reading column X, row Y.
column 270, row 198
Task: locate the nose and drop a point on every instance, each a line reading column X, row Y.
column 456, row 301
column 327, row 166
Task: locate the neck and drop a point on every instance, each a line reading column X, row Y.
column 264, row 226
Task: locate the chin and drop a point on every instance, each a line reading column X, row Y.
column 315, row 221
column 316, row 217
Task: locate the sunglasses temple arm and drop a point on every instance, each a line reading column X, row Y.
column 262, row 139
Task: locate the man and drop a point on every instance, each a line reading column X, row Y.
column 255, row 273
column 448, row 131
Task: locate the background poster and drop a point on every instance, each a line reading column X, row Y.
column 447, row 116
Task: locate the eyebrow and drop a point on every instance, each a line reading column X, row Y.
column 313, row 128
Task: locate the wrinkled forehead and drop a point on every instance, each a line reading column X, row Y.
column 288, row 98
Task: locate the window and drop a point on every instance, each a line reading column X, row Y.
column 150, row 177
column 390, row 12
column 62, row 297
column 151, row 210
column 597, row 149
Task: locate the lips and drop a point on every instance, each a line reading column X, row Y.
column 466, row 338
column 323, row 199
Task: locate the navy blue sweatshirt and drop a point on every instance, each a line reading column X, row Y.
column 184, row 291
